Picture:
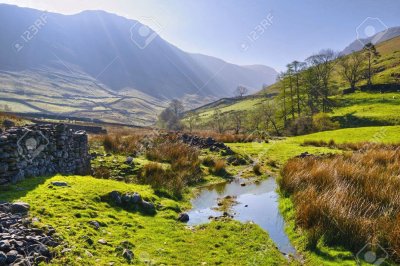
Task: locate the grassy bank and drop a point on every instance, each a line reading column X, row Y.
column 158, row 239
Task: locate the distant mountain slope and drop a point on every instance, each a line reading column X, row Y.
column 357, row 45
column 104, row 46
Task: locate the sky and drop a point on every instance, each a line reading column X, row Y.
column 269, row 32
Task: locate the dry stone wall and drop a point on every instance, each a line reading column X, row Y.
column 42, row 150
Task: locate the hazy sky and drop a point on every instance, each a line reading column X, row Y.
column 270, row 32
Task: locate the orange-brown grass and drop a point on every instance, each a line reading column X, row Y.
column 349, row 199
column 184, row 166
column 225, row 137
column 219, row 167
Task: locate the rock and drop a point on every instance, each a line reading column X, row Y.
column 127, row 254
column 5, row 245
column 246, row 205
column 11, row 256
column 8, row 123
column 243, row 184
column 59, row 184
column 129, row 160
column 148, row 207
column 115, row 196
column 135, row 198
column 3, row 258
column 102, row 241
column 20, row 207
column 95, row 224
column 183, row 217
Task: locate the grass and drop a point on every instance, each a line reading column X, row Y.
column 348, row 199
column 361, row 109
column 158, row 239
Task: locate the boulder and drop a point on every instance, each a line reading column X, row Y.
column 148, row 207
column 3, row 258
column 127, row 254
column 59, row 184
column 115, row 196
column 8, row 123
column 19, row 207
column 183, row 217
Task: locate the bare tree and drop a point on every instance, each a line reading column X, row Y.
column 241, row 91
column 298, row 67
column 177, row 107
column 351, row 68
column 324, row 63
column 237, row 118
column 269, row 111
column 218, row 121
column 371, row 53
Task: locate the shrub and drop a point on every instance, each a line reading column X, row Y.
column 257, row 169
column 300, row 126
column 208, row 161
column 322, row 122
column 219, row 168
column 349, row 199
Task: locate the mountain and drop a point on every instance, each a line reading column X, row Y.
column 97, row 63
column 380, row 37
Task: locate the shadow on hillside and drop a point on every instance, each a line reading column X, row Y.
column 350, row 121
column 11, row 193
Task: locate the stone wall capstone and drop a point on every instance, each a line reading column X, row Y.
column 41, row 150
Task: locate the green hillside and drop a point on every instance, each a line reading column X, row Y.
column 356, row 109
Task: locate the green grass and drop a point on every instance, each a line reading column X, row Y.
column 360, row 109
column 282, row 150
column 158, row 239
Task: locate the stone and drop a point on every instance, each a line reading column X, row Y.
column 183, row 217
column 115, row 196
column 102, row 241
column 129, row 160
column 59, row 184
column 8, row 123
column 135, row 198
column 20, row 207
column 3, row 258
column 95, row 224
column 5, row 245
column 148, row 207
column 12, row 256
column 127, row 254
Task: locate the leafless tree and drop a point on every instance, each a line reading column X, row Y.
column 351, row 68
column 241, row 91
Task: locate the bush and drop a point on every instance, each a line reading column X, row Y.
column 322, row 122
column 219, row 168
column 349, row 199
column 183, row 169
column 257, row 169
column 208, row 161
column 300, row 126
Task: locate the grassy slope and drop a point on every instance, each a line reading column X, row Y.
column 368, row 106
column 281, row 150
column 159, row 239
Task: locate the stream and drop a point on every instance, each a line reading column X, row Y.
column 257, row 202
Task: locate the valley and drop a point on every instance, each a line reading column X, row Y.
column 122, row 143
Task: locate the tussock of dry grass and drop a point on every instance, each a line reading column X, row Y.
column 226, row 137
column 350, row 199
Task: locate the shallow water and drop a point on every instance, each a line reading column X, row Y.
column 262, row 201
